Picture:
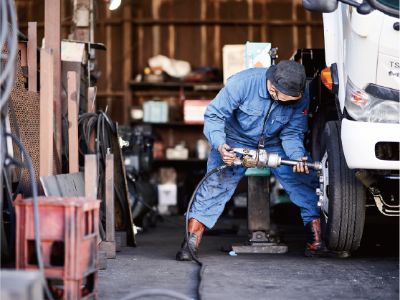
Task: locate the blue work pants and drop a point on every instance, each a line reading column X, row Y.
column 218, row 189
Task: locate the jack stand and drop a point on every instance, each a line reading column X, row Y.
column 261, row 238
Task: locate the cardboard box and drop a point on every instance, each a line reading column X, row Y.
column 233, row 60
column 257, row 55
column 167, row 194
column 193, row 111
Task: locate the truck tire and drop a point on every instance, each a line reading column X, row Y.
column 342, row 225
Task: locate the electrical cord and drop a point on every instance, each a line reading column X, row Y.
column 7, row 75
column 36, row 212
column 201, row 271
column 156, row 292
column 169, row 293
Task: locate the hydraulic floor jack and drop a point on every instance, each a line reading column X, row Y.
column 261, row 238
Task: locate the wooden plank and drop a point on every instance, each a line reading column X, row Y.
column 92, row 92
column 149, row 22
column 203, row 33
column 91, row 176
column 52, row 33
column 295, row 31
column 127, row 73
column 23, row 48
column 217, row 38
column 250, row 16
column 73, row 152
column 109, row 53
column 32, row 57
column 156, row 28
column 109, row 189
column 46, row 112
column 264, row 27
column 308, row 31
column 121, row 184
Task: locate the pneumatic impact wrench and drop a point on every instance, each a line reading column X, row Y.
column 263, row 159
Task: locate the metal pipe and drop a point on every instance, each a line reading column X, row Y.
column 316, row 166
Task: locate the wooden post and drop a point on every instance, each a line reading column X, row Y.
column 52, row 33
column 217, row 38
column 308, row 30
column 294, row 27
column 32, row 57
column 250, row 34
column 73, row 152
column 46, row 112
column 91, row 176
column 127, row 63
column 23, row 48
column 109, row 244
column 91, row 109
column 110, row 222
column 203, row 32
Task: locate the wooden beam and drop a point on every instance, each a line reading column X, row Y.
column 308, row 30
column 190, row 22
column 295, row 31
column 23, row 48
column 217, row 37
column 156, row 28
column 91, row 176
column 109, row 53
column 46, row 112
column 73, row 152
column 91, row 109
column 264, row 27
column 127, row 42
column 140, row 42
column 203, row 33
column 52, row 33
column 250, row 35
column 32, row 57
column 109, row 189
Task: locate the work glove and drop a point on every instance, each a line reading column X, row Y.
column 300, row 168
column 227, row 157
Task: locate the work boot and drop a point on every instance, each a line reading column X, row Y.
column 196, row 230
column 316, row 246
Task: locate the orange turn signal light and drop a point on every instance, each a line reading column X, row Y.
column 326, row 78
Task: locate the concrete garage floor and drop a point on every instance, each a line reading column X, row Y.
column 372, row 272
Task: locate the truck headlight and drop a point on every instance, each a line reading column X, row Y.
column 362, row 106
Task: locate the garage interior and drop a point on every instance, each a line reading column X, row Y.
column 108, row 97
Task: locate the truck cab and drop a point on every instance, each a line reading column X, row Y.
column 354, row 114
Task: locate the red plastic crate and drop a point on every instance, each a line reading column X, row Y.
column 69, row 230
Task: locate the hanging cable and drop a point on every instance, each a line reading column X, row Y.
column 36, row 213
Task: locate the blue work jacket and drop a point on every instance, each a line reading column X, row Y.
column 238, row 112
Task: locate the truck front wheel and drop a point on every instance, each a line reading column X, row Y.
column 343, row 195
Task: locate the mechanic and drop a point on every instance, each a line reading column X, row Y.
column 258, row 108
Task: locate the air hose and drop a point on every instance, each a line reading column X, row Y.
column 201, row 271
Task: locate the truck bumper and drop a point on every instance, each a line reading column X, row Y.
column 359, row 140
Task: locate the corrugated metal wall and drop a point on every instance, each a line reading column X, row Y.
column 191, row 30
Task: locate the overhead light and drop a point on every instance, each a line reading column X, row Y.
column 114, row 4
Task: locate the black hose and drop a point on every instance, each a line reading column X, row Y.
column 201, row 271
column 36, row 212
column 156, row 292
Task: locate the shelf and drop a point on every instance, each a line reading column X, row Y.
column 180, row 124
column 191, row 163
column 195, row 86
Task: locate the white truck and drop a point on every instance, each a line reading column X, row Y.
column 354, row 125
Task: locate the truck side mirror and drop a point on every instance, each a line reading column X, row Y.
column 327, row 6
column 321, row 6
column 364, row 8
